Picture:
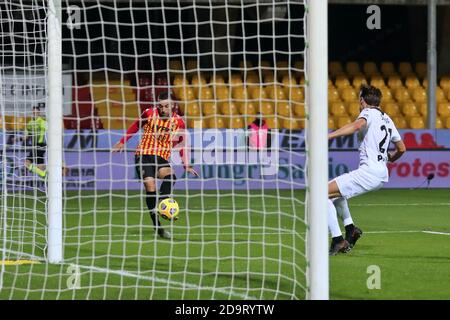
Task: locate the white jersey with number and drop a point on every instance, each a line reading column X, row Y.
column 374, row 139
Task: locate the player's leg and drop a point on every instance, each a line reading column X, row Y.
column 33, row 161
column 168, row 178
column 338, row 243
column 352, row 233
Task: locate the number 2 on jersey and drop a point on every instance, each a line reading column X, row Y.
column 382, row 142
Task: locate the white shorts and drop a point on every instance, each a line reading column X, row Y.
column 357, row 182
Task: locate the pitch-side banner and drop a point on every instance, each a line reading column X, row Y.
column 282, row 170
column 20, row 92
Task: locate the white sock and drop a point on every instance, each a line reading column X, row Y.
column 333, row 224
column 343, row 211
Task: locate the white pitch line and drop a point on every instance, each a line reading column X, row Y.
column 183, row 285
column 435, row 232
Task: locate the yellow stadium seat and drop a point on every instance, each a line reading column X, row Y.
column 258, row 93
column 447, row 93
column 423, row 109
column 236, row 123
column 342, row 121
column 377, row 81
column 269, row 78
column 399, row 122
column 266, row 108
column 299, row 65
column 401, row 94
column 387, row 69
column 218, row 122
column 217, row 80
column 245, row 64
column 409, row 109
column 335, row 68
column 443, row 109
column 353, row 109
column 349, row 94
column 239, row 93
column 186, row 94
column 197, row 122
column 338, row 109
column 412, row 82
column 283, row 109
column 440, row 95
column 175, row 65
column 342, row 82
column 228, row 108
column 291, row 123
column 394, row 82
column 405, row 69
column 282, row 68
column 416, row 122
column 295, row 94
column 236, row 80
column 333, row 95
column 331, row 124
column 421, row 69
column 248, row 108
column 222, row 93
column 445, row 82
column 273, row 122
column 386, row 94
column 447, row 123
column 439, row 123
column 392, row 109
column 179, row 81
column 192, row 109
column 358, row 81
column 299, row 109
column 275, row 92
column 370, row 68
column 209, row 108
column 419, row 95
column 289, row 82
column 302, row 81
column 352, row 68
column 425, row 83
column 191, row 65
column 205, row 94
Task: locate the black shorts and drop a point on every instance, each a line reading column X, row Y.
column 36, row 154
column 148, row 165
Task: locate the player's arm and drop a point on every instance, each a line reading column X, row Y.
column 400, row 149
column 135, row 126
column 348, row 128
column 181, row 141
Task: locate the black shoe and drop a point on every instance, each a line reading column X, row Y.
column 164, row 234
column 339, row 246
column 353, row 236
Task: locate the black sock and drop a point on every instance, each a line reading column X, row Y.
column 166, row 186
column 349, row 228
column 151, row 204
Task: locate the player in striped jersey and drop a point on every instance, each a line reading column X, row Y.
column 163, row 129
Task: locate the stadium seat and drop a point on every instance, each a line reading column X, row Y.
column 445, row 82
column 197, row 122
column 205, row 94
column 290, row 123
column 245, row 64
column 239, row 93
column 358, row 81
column 443, row 109
column 209, row 108
column 370, row 68
column 331, row 124
column 439, row 123
column 391, row 108
column 186, row 94
column 394, row 82
column 192, row 109
column 269, row 78
column 282, row 68
column 416, row 122
column 401, row 94
column 228, row 108
column 236, row 123
column 421, row 69
column 191, row 65
column 353, row 109
column 348, row 94
column 222, row 93
column 252, row 78
column 335, row 68
column 338, row 109
column 258, row 93
column 412, row 82
column 283, row 109
column 218, row 122
column 266, row 108
column 247, row 107
column 235, row 80
column 419, row 95
column 405, row 69
column 352, row 68
column 399, row 122
column 333, row 95
column 447, row 123
column 273, row 122
column 440, row 95
column 447, row 93
column 289, row 82
column 275, row 92
column 342, row 82
column 175, row 65
column 217, row 80
column 299, row 109
column 299, row 65
column 386, row 95
column 342, row 121
column 387, row 69
column 409, row 109
column 295, row 94
column 423, row 109
column 377, row 81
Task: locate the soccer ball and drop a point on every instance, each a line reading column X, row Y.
column 168, row 209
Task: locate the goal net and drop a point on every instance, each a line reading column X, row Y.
column 236, row 71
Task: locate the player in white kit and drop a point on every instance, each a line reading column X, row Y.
column 375, row 132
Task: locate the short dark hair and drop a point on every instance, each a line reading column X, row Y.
column 371, row 95
column 164, row 95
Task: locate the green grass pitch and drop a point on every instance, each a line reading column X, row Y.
column 230, row 245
